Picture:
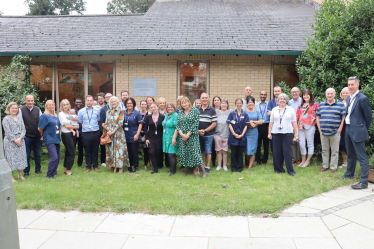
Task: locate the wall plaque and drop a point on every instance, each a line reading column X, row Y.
column 144, row 87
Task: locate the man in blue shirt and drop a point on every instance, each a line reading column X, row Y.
column 263, row 129
column 89, row 118
column 295, row 147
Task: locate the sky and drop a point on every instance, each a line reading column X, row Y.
column 18, row 8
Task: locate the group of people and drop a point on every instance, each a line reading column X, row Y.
column 199, row 132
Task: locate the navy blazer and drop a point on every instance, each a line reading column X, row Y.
column 360, row 118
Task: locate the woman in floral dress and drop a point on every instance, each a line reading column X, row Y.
column 189, row 145
column 14, row 143
column 116, row 151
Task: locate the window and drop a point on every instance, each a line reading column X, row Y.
column 70, row 81
column 193, row 80
column 286, row 73
column 42, row 77
column 101, row 79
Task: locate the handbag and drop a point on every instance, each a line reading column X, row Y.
column 105, row 139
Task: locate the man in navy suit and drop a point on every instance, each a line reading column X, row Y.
column 358, row 120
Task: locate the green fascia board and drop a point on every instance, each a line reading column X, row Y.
column 123, row 52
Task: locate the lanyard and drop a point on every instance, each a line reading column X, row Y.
column 281, row 116
column 155, row 121
column 275, row 100
column 262, row 112
column 350, row 101
column 128, row 117
column 55, row 119
column 237, row 117
column 89, row 118
column 167, row 119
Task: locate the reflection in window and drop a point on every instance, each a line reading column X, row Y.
column 41, row 77
column 193, row 80
column 286, row 73
column 71, row 81
column 101, row 78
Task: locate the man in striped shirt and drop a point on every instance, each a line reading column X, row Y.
column 330, row 118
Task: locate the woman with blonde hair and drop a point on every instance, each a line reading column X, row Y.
column 162, row 106
column 14, row 142
column 197, row 103
column 67, row 136
column 344, row 94
column 49, row 128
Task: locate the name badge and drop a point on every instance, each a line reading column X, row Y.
column 58, row 132
column 126, row 128
column 89, row 127
column 233, row 122
column 126, row 124
column 164, row 131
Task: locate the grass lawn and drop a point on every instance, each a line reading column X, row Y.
column 222, row 193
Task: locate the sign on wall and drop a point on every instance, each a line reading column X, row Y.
column 144, row 87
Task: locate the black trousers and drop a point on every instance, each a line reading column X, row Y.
column 214, row 154
column 172, row 159
column 237, row 158
column 69, row 142
column 102, row 151
column 80, row 149
column 263, row 137
column 91, row 142
column 146, row 156
column 133, row 154
column 156, row 158
column 282, row 150
column 167, row 164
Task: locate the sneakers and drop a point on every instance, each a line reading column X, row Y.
column 103, row 164
column 225, row 168
column 343, row 166
column 218, row 168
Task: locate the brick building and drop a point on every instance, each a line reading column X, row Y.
column 177, row 47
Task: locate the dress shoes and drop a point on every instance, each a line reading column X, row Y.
column 292, row 173
column 323, row 169
column 38, row 172
column 26, row 174
column 171, row 174
column 87, row 171
column 298, row 162
column 333, row 171
column 154, row 172
column 258, row 163
column 293, row 161
column 50, row 177
column 359, row 186
column 96, row 169
column 345, row 177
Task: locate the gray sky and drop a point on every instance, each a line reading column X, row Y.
column 18, row 8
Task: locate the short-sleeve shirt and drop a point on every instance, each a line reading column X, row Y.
column 263, row 110
column 222, row 128
column 207, row 117
column 51, row 129
column 330, row 117
column 288, row 116
column 89, row 118
column 238, row 122
column 132, row 122
column 295, row 104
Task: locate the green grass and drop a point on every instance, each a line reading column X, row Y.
column 221, row 193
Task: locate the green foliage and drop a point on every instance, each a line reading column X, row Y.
column 128, row 6
column 342, row 46
column 55, row 7
column 14, row 83
column 285, row 88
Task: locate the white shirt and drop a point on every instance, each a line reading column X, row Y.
column 348, row 117
column 63, row 120
column 289, row 116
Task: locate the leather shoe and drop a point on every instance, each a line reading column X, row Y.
column 292, row 173
column 360, row 185
column 38, row 172
column 154, row 172
column 323, row 169
column 87, row 171
column 333, row 171
column 293, row 161
column 50, row 177
column 298, row 162
column 96, row 169
column 26, row 174
column 258, row 163
column 171, row 174
column 345, row 177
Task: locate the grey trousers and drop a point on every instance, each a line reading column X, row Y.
column 295, row 151
column 332, row 142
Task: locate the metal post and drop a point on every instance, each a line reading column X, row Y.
column 8, row 211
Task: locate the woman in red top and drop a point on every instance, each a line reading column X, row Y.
column 306, row 120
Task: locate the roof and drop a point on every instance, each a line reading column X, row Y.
column 184, row 26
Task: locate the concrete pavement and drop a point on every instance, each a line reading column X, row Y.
column 341, row 218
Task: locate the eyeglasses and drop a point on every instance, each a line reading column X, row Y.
column 263, row 94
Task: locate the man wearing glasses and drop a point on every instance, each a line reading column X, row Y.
column 294, row 103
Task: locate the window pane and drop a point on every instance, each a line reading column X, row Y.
column 42, row 76
column 100, row 78
column 193, row 80
column 71, row 81
column 286, row 73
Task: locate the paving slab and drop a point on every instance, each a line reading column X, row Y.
column 313, row 243
column 33, row 239
column 83, row 240
column 332, row 221
column 362, row 214
column 321, row 202
column 141, row 224
column 25, row 217
column 251, row 243
column 69, row 221
column 165, row 242
column 297, row 209
column 354, row 236
column 211, row 226
column 346, row 194
column 288, row 227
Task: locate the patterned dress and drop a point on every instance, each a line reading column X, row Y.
column 169, row 125
column 116, row 152
column 15, row 155
column 189, row 151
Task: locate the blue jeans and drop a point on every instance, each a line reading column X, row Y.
column 206, row 144
column 36, row 145
column 54, row 158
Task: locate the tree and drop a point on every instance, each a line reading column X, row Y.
column 128, row 6
column 55, row 7
column 14, row 83
column 342, row 46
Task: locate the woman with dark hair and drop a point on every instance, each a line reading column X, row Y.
column 153, row 137
column 306, row 121
column 169, row 124
column 132, row 125
column 144, row 113
column 216, row 102
column 150, row 100
column 252, row 131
